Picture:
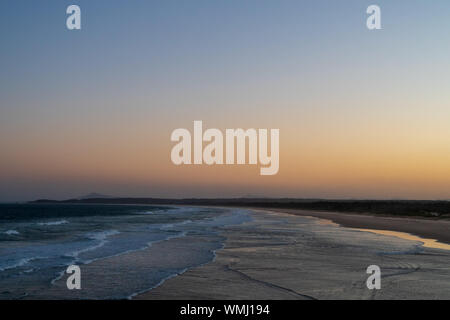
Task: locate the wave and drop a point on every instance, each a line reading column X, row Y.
column 145, row 212
column 169, row 210
column 12, row 232
column 53, row 223
column 178, row 210
column 103, row 235
column 131, row 296
column 214, row 252
column 98, row 236
column 20, row 263
column 173, row 225
column 146, row 246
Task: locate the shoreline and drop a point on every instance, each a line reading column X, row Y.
column 296, row 256
column 425, row 228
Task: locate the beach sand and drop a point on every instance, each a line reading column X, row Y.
column 295, row 257
column 422, row 227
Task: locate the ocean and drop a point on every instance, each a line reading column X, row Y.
column 122, row 250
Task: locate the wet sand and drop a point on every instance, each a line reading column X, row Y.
column 422, row 227
column 291, row 256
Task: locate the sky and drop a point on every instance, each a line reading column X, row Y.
column 361, row 113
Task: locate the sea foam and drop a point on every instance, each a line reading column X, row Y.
column 53, row 223
column 12, row 232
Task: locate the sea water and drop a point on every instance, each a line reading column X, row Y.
column 121, row 249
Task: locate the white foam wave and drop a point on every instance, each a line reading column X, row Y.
column 19, row 263
column 99, row 236
column 53, row 223
column 12, row 232
column 173, row 225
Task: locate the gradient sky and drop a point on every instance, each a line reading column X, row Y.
column 362, row 114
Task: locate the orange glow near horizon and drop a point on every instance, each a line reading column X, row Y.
column 371, row 163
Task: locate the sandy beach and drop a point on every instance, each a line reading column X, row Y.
column 422, row 227
column 295, row 256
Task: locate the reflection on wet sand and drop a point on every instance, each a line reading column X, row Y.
column 429, row 243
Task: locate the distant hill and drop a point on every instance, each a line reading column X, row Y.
column 94, row 195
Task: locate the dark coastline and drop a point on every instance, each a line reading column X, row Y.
column 399, row 208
